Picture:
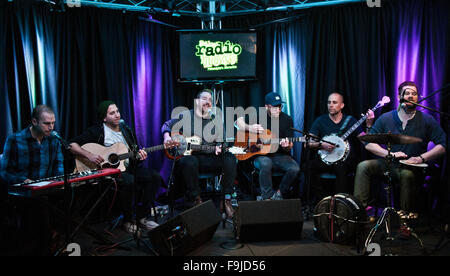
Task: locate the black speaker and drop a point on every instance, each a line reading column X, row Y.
column 268, row 220
column 186, row 231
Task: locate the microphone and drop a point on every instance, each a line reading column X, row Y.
column 63, row 142
column 122, row 122
column 404, row 101
column 211, row 114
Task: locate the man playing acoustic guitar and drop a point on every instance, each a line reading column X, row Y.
column 280, row 124
column 110, row 131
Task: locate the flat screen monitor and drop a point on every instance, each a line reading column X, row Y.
column 217, row 55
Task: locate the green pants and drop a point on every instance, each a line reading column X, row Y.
column 407, row 179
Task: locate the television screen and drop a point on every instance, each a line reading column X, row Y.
column 217, row 55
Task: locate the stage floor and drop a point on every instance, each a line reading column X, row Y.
column 435, row 243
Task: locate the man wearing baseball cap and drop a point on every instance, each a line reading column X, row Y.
column 280, row 124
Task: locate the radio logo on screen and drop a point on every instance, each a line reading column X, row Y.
column 218, row 55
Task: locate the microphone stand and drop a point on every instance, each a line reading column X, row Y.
column 307, row 174
column 433, row 93
column 426, row 107
column 170, row 194
column 65, row 148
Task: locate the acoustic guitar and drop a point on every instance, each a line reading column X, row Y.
column 114, row 155
column 259, row 144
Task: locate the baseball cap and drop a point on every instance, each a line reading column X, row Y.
column 273, row 99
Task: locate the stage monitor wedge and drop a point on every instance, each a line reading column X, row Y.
column 187, row 231
column 268, row 220
column 217, row 55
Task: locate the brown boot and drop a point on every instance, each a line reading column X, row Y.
column 198, row 200
column 229, row 211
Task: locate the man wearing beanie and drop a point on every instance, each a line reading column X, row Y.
column 111, row 130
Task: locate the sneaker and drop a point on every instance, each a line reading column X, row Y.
column 148, row 224
column 404, row 233
column 130, row 227
column 277, row 196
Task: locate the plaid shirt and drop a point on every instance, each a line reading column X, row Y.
column 24, row 158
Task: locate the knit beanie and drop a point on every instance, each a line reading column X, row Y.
column 103, row 109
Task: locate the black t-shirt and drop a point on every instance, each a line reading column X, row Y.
column 284, row 123
column 324, row 126
column 195, row 126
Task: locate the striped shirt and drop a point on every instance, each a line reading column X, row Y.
column 25, row 158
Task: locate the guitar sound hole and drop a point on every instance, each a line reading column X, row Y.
column 113, row 159
column 254, row 148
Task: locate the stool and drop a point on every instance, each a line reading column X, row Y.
column 328, row 177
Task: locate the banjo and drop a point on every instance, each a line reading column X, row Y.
column 342, row 149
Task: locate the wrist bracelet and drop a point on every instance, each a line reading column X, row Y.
column 320, row 145
column 423, row 159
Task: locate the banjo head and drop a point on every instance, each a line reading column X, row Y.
column 338, row 154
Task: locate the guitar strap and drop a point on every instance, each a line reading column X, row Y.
column 344, row 125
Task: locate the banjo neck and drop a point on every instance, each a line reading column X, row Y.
column 353, row 128
column 364, row 117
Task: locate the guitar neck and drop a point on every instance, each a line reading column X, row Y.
column 148, row 150
column 203, row 148
column 291, row 139
column 297, row 139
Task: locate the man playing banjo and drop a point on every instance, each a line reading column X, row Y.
column 337, row 156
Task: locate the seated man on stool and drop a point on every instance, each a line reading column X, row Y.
column 336, row 122
column 189, row 167
column 33, row 154
column 405, row 120
column 108, row 131
column 280, row 124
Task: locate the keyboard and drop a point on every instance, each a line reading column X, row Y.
column 49, row 184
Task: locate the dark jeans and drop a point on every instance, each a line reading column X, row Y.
column 148, row 182
column 343, row 183
column 280, row 162
column 3, row 191
column 33, row 235
column 188, row 169
column 406, row 178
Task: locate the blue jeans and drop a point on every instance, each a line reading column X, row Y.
column 280, row 162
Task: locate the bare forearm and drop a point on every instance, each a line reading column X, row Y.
column 79, row 151
column 376, row 149
column 240, row 123
column 434, row 153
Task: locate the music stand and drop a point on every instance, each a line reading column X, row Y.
column 385, row 217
